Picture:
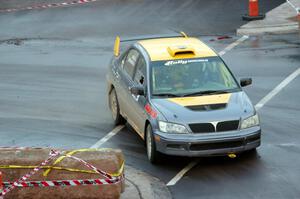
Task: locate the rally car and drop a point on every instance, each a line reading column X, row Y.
column 181, row 98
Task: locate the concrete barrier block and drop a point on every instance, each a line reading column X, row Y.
column 107, row 160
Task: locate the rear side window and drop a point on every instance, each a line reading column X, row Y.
column 140, row 74
column 130, row 62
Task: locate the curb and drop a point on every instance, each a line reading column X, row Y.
column 277, row 21
column 140, row 185
column 276, row 29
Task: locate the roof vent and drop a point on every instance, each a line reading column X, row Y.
column 180, row 50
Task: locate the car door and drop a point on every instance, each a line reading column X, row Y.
column 127, row 68
column 138, row 102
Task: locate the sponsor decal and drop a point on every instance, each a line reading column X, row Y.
column 184, row 61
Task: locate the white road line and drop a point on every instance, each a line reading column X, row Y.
column 234, row 44
column 181, row 173
column 277, row 89
column 108, row 136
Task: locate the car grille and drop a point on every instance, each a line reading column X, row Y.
column 225, row 144
column 228, row 125
column 202, row 128
column 210, row 128
column 218, row 145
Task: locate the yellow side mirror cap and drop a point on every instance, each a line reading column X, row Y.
column 117, row 46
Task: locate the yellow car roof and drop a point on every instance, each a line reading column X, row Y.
column 176, row 48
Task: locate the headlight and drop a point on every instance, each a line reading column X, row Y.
column 167, row 127
column 250, row 122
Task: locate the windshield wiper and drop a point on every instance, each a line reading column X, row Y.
column 207, row 92
column 167, row 95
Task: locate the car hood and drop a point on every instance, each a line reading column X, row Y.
column 209, row 108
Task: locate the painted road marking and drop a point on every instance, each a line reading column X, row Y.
column 277, row 89
column 181, row 173
column 116, row 130
column 258, row 106
column 234, row 44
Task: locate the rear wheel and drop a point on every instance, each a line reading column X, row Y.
column 115, row 108
column 153, row 155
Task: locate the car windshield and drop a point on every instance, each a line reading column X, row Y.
column 188, row 77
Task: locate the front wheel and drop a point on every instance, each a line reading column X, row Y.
column 153, row 155
column 115, row 108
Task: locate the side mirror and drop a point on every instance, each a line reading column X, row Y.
column 245, row 82
column 137, row 90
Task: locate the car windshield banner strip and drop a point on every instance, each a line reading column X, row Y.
column 184, row 61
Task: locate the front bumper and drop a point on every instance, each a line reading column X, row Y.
column 208, row 144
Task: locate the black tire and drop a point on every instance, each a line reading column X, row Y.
column 152, row 154
column 115, row 108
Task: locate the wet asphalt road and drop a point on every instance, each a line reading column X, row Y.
column 52, row 86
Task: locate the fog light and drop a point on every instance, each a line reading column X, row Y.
column 232, row 155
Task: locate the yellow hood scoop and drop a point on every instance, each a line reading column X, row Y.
column 179, row 50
